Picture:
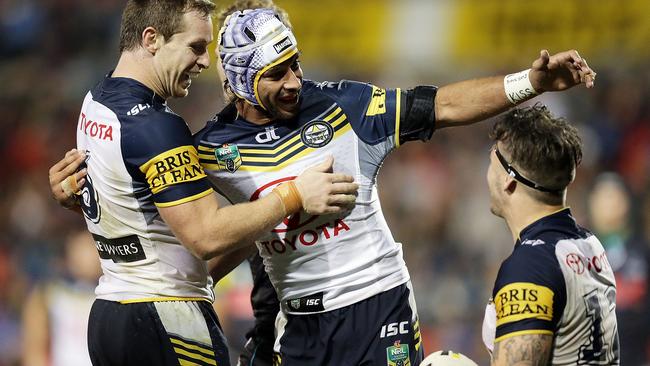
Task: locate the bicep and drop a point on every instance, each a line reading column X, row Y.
column 523, row 350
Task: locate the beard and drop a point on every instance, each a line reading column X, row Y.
column 276, row 113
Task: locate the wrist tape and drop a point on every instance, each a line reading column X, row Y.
column 518, row 87
column 289, row 196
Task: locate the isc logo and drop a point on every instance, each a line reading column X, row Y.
column 312, row 302
column 394, row 329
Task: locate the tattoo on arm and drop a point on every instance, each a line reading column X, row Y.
column 523, row 350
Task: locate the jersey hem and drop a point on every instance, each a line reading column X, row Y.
column 186, row 199
column 523, row 332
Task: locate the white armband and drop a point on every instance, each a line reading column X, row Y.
column 518, row 87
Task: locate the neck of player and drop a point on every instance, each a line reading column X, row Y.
column 253, row 114
column 524, row 210
column 132, row 65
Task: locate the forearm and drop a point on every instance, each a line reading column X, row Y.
column 221, row 265
column 233, row 227
column 524, row 350
column 208, row 230
column 470, row 101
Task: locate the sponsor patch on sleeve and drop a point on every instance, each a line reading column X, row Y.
column 523, row 300
column 178, row 165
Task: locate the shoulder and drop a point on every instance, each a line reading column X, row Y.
column 343, row 89
column 154, row 131
column 532, row 260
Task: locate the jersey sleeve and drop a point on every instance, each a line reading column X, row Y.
column 158, row 150
column 374, row 113
column 529, row 293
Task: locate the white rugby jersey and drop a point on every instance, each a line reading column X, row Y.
column 557, row 281
column 140, row 155
column 317, row 263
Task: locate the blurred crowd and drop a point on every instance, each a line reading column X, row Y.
column 433, row 195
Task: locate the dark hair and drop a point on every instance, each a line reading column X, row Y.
column 163, row 15
column 542, row 147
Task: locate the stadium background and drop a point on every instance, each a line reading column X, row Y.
column 434, row 195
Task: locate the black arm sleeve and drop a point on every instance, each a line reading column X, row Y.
column 418, row 114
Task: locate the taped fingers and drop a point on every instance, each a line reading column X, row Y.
column 70, row 185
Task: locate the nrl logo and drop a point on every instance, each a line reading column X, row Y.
column 398, row 355
column 316, row 134
column 228, row 157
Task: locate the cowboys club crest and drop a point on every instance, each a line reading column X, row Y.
column 295, row 304
column 228, row 157
column 316, row 134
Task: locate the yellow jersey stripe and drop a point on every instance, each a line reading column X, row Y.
column 338, row 121
column 271, row 159
column 184, row 362
column 192, row 346
column 186, row 199
column 162, row 299
column 279, row 166
column 523, row 332
column 398, row 107
column 210, row 150
column 331, row 115
column 294, row 139
column 183, row 352
column 207, row 149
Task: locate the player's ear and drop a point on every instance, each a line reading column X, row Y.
column 510, row 184
column 152, row 40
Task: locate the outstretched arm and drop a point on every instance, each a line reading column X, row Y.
column 523, row 350
column 471, row 101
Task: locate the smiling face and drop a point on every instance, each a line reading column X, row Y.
column 184, row 55
column 279, row 89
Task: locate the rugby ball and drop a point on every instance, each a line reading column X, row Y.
column 447, row 358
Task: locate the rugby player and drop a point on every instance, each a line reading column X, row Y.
column 342, row 283
column 554, row 298
column 332, row 272
column 149, row 206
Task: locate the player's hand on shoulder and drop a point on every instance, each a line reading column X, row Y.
column 560, row 71
column 65, row 180
column 325, row 192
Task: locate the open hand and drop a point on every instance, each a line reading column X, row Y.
column 324, row 192
column 560, row 71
